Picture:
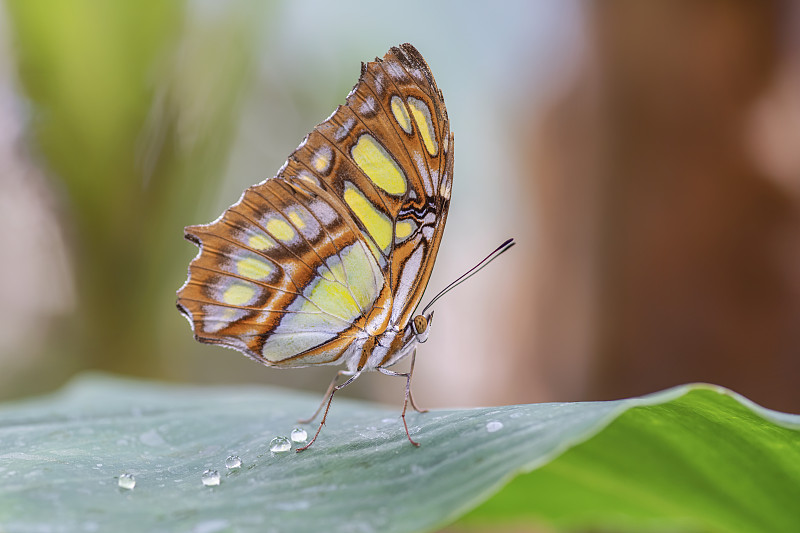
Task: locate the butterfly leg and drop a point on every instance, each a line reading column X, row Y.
column 406, row 375
column 329, row 395
column 410, row 396
column 324, row 397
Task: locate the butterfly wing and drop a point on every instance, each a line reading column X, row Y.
column 418, row 108
column 341, row 243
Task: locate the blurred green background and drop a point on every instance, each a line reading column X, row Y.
column 642, row 154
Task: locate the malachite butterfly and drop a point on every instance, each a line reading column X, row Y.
column 325, row 263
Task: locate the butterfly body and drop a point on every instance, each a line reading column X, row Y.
column 326, row 262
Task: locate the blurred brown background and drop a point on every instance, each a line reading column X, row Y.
column 643, row 154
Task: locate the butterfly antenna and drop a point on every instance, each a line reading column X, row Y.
column 472, row 271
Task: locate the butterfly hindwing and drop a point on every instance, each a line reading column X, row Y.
column 277, row 276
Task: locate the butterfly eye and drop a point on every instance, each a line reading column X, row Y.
column 421, row 328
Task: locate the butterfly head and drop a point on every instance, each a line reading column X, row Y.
column 421, row 326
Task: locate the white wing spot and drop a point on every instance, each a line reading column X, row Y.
column 367, row 107
column 323, row 212
column 345, row 129
column 395, row 71
column 423, row 172
column 379, row 83
column 417, row 73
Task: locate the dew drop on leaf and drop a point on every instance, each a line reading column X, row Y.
column 280, row 444
column 210, row 478
column 126, row 481
column 494, row 425
column 299, row 435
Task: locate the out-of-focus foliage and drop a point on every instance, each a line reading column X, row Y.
column 132, row 109
column 641, row 153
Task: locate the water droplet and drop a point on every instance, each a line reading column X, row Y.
column 126, row 481
column 280, row 444
column 210, row 478
column 232, row 462
column 299, row 435
column 494, row 425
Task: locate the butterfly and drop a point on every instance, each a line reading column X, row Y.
column 325, row 263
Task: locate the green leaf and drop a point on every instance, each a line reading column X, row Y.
column 706, row 460
column 696, row 458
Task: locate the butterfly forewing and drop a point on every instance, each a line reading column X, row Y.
column 341, row 243
column 418, row 107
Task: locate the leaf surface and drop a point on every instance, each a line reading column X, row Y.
column 695, row 457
